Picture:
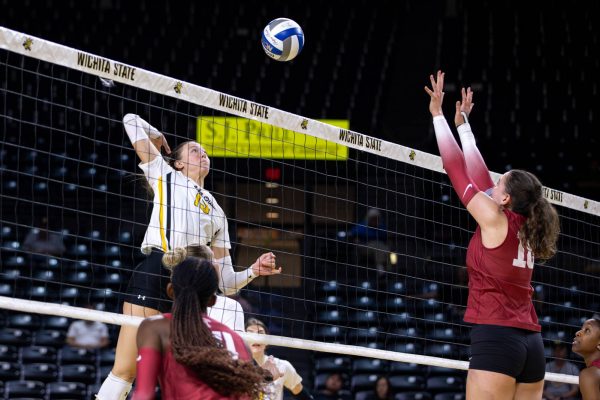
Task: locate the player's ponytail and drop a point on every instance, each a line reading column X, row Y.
column 195, row 282
column 173, row 257
column 540, row 230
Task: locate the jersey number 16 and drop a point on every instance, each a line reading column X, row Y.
column 524, row 259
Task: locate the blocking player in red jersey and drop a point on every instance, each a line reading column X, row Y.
column 587, row 344
column 191, row 355
column 515, row 224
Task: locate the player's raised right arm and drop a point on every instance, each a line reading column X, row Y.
column 142, row 135
column 476, row 167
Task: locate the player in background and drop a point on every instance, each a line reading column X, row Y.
column 183, row 214
column 289, row 378
column 189, row 354
column 587, row 344
column 515, row 224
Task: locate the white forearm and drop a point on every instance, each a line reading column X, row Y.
column 137, row 129
column 230, row 281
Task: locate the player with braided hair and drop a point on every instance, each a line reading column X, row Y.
column 192, row 356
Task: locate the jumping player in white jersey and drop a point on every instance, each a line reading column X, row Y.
column 183, row 214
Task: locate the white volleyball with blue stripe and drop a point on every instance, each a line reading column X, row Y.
column 282, row 39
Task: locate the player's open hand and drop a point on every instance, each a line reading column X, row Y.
column 436, row 93
column 464, row 106
column 266, row 264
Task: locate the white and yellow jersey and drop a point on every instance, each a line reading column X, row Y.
column 183, row 213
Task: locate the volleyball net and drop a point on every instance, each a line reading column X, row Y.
column 370, row 235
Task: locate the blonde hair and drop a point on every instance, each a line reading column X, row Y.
column 176, row 256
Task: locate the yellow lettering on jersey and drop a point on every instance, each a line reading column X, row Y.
column 197, row 199
column 161, row 217
column 204, row 207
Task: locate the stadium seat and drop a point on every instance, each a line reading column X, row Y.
column 9, row 370
column 363, row 303
column 113, row 280
column 24, row 389
column 330, row 316
column 43, row 372
column 407, row 382
column 49, row 337
column 395, row 304
column 450, row 396
column 46, row 275
column 84, row 373
column 413, row 396
column 38, row 354
column 398, row 288
column 24, row 321
column 42, row 293
column 66, row 390
column 83, row 278
column 362, row 318
column 365, row 395
column 402, row 368
column 72, row 355
column 9, row 353
column 8, row 290
column 330, row 287
column 411, row 348
column 363, row 335
column 444, row 350
column 448, row 383
column 330, row 333
column 11, row 336
column 360, row 382
column 332, row 364
column 107, row 356
column 56, row 322
column 370, row 365
column 400, row 320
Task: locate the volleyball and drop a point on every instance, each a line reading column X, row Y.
column 282, row 39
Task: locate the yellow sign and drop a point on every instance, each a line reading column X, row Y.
column 246, row 138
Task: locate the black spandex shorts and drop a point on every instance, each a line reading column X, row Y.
column 148, row 284
column 510, row 351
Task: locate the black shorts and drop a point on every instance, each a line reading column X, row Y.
column 148, row 284
column 510, row 351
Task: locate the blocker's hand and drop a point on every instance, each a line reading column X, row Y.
column 436, row 93
column 464, row 106
column 266, row 265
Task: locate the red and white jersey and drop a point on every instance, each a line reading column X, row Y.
column 177, row 382
column 183, row 213
column 500, row 281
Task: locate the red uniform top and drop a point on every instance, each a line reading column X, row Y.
column 500, row 281
column 595, row 363
column 177, row 382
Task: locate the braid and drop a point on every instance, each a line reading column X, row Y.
column 192, row 342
